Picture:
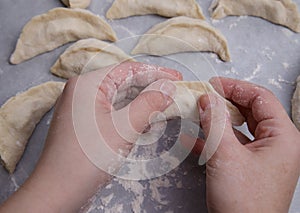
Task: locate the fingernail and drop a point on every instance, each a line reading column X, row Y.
column 213, row 101
column 200, row 107
column 217, row 85
column 213, row 80
column 208, row 101
column 168, row 89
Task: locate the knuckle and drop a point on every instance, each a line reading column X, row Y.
column 266, row 129
column 263, row 92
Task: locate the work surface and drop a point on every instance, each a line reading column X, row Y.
column 261, row 52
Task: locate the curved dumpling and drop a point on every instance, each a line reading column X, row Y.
column 282, row 12
column 57, row 27
column 185, row 102
column 87, row 55
column 182, row 34
column 19, row 116
column 167, row 8
column 296, row 105
column 77, row 3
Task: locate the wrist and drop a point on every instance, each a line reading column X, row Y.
column 65, row 191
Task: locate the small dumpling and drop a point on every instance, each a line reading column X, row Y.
column 282, row 12
column 19, row 116
column 185, row 102
column 77, row 3
column 167, row 8
column 182, row 34
column 87, row 55
column 57, row 27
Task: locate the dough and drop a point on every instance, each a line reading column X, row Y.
column 77, row 3
column 19, row 116
column 57, row 27
column 182, row 34
column 282, row 12
column 167, row 8
column 296, row 105
column 184, row 101
column 87, row 55
column 186, row 98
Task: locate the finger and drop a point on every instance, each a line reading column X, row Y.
column 199, row 146
column 134, row 118
column 262, row 103
column 196, row 145
column 122, row 77
column 266, row 111
column 216, row 124
column 143, row 73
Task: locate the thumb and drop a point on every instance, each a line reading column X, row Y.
column 134, row 118
column 216, row 124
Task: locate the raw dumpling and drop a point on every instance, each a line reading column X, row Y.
column 167, row 8
column 282, row 12
column 57, row 27
column 182, row 34
column 19, row 116
column 185, row 102
column 77, row 3
column 87, row 55
column 296, row 105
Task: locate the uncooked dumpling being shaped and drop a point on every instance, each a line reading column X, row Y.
column 57, row 27
column 185, row 102
column 167, row 8
column 77, row 3
column 182, row 34
column 19, row 116
column 87, row 55
column 296, row 105
column 282, row 12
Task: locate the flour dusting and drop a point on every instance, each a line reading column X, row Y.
column 155, row 193
column 126, row 30
column 49, row 121
column 285, row 65
column 106, row 200
column 13, row 180
column 274, row 82
column 282, row 80
column 241, row 18
column 138, row 194
column 232, row 26
column 115, row 209
column 231, row 71
column 255, row 72
column 137, row 189
column 217, row 21
column 268, row 53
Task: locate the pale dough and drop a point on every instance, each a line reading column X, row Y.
column 77, row 3
column 296, row 105
column 182, row 34
column 87, row 55
column 19, row 116
column 282, row 12
column 167, row 8
column 57, row 27
column 186, row 98
column 184, row 101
